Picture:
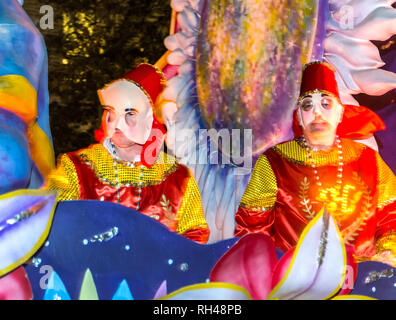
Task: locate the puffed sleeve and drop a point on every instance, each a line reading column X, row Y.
column 192, row 223
column 386, row 209
column 64, row 179
column 255, row 212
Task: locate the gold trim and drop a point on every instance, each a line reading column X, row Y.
column 102, row 163
column 256, row 209
column 319, row 62
column 295, row 152
column 305, row 201
column 353, row 297
column 163, row 82
column 133, row 82
column 210, row 285
column 386, row 242
column 385, row 203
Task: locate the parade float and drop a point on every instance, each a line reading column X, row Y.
column 230, row 66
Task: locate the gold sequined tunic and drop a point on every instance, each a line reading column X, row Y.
column 282, row 196
column 166, row 192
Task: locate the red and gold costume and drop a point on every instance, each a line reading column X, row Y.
column 282, row 195
column 169, row 193
column 156, row 184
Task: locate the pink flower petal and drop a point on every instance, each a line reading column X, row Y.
column 15, row 286
column 249, row 264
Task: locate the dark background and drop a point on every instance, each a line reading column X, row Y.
column 92, row 43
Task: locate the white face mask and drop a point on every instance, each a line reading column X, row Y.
column 128, row 110
column 319, row 113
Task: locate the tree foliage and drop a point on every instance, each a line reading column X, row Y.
column 93, row 43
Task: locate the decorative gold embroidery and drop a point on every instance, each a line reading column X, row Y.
column 366, row 211
column 165, row 204
column 387, row 242
column 340, row 202
column 305, row 201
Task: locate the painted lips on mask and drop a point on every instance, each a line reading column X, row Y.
column 318, row 126
column 120, row 140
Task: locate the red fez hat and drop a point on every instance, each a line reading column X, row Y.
column 358, row 122
column 149, row 79
column 318, row 77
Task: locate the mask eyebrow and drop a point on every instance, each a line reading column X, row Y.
column 130, row 109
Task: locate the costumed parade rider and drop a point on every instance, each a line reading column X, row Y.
column 128, row 167
column 323, row 166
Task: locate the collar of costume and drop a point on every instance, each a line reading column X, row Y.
column 295, row 151
column 100, row 160
column 358, row 122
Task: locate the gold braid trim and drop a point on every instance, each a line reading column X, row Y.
column 136, row 84
column 255, row 209
column 191, row 214
column 386, row 184
column 318, row 62
column 163, row 82
column 260, row 194
column 294, row 151
column 64, row 179
column 387, row 242
column 101, row 162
